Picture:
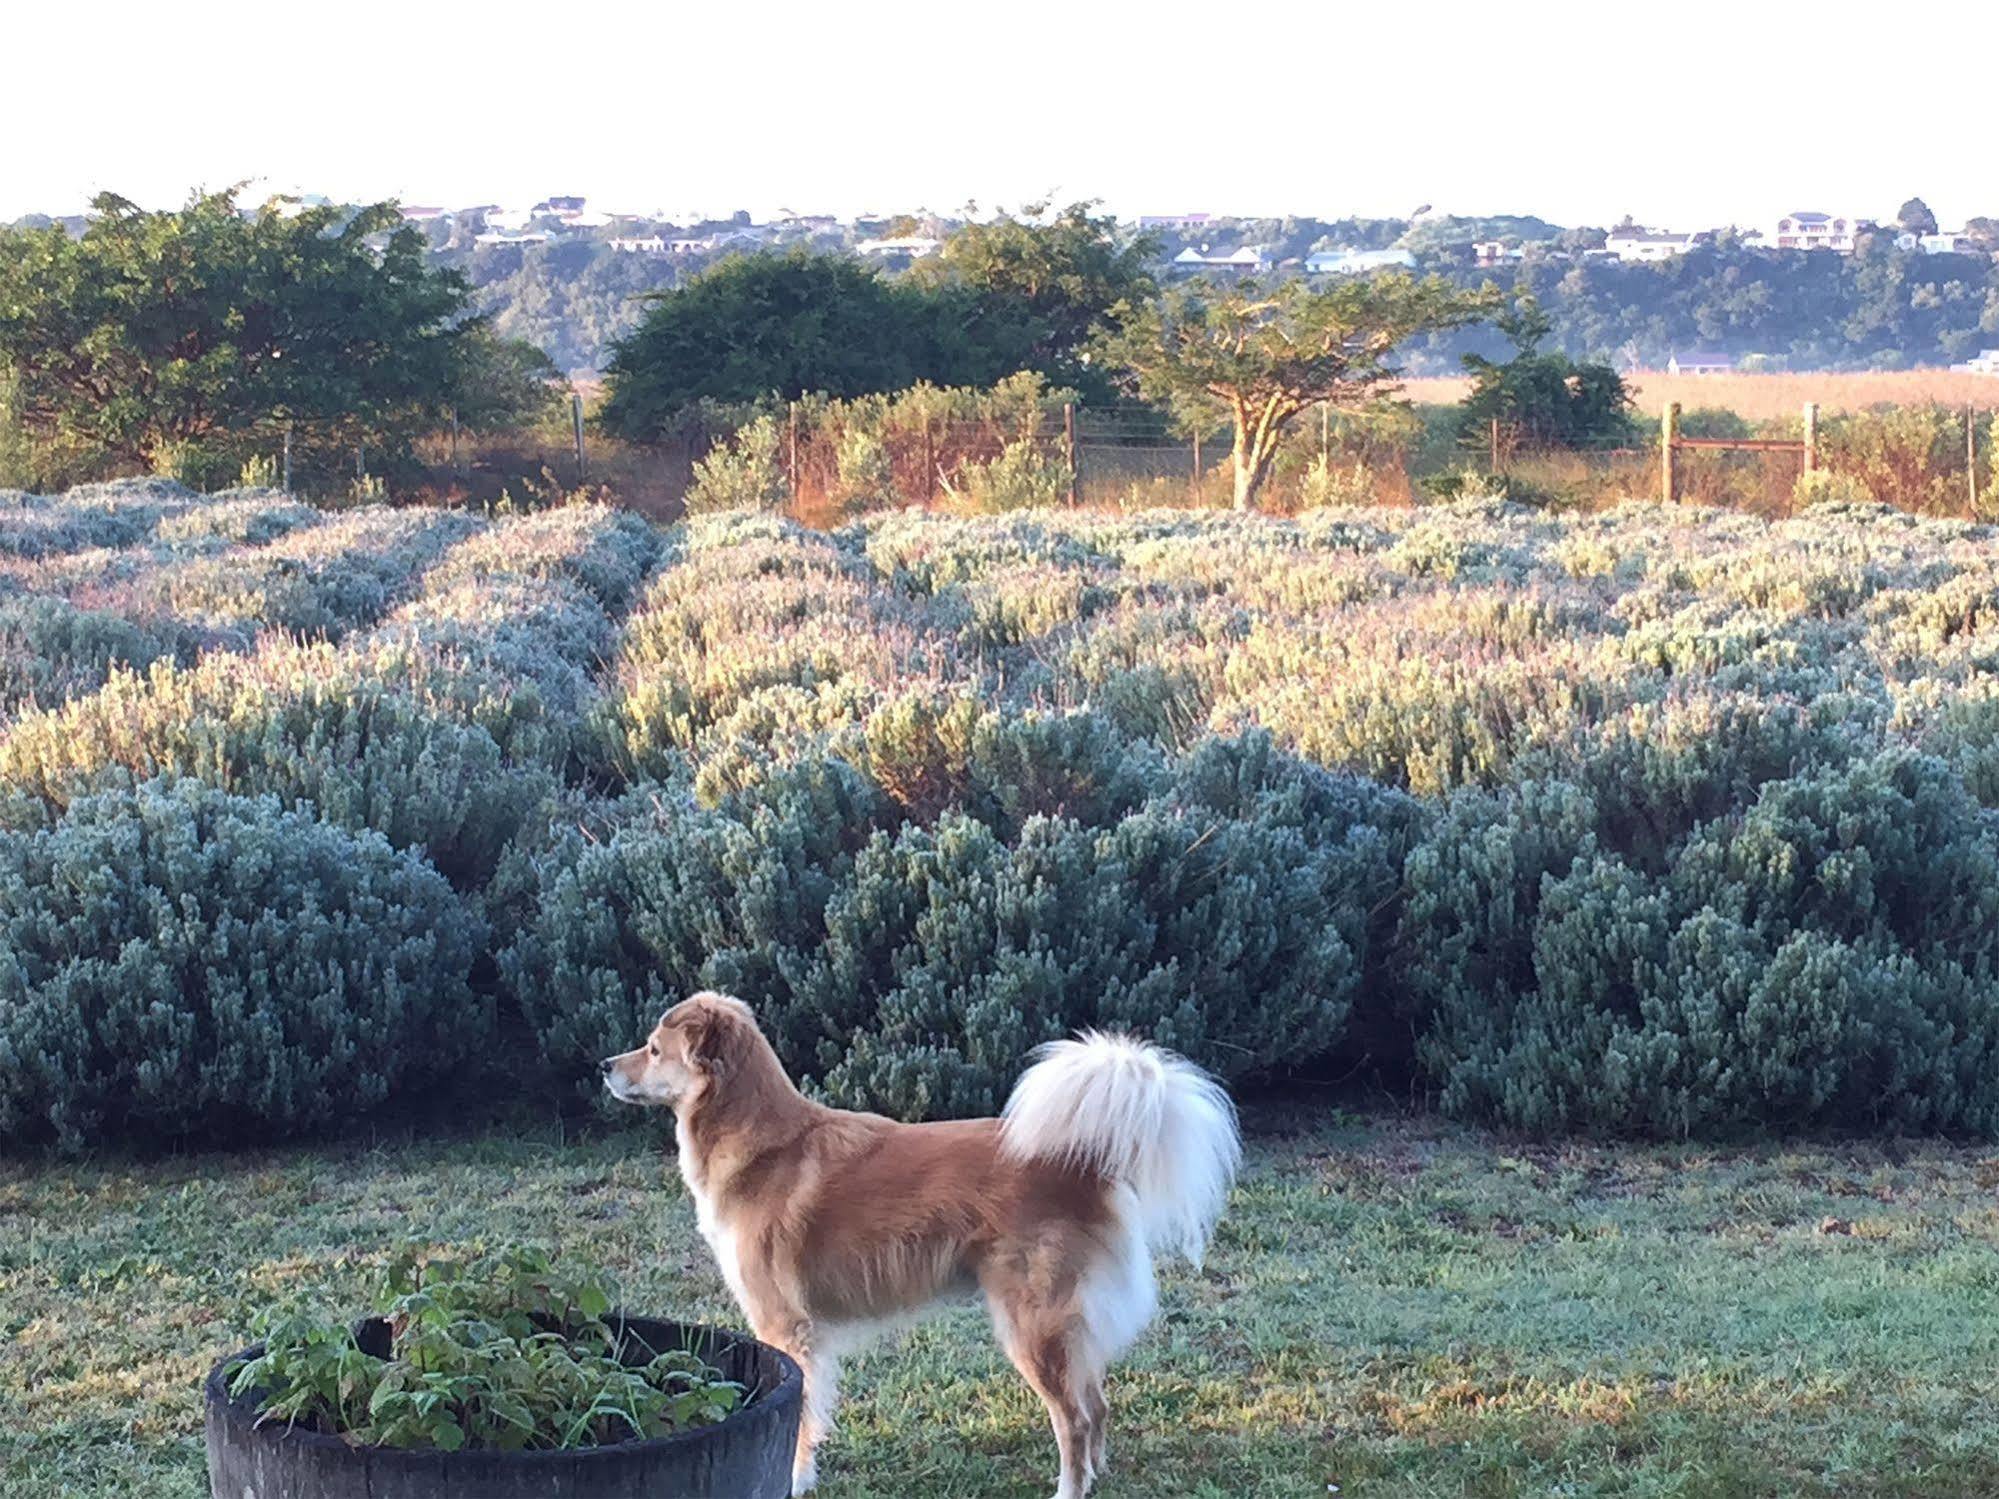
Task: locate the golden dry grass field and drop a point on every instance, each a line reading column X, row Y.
column 1759, row 397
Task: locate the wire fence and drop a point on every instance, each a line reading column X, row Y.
column 1939, row 463
column 835, row 464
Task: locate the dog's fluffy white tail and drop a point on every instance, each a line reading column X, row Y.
column 1140, row 1115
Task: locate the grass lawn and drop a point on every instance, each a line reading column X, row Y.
column 1394, row 1305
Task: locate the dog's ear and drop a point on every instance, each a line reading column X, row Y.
column 710, row 1041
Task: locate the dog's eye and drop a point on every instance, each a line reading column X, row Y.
column 652, row 1050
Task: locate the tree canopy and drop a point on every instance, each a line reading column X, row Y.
column 1542, row 398
column 764, row 325
column 1030, row 292
column 1262, row 354
column 1014, row 294
column 156, row 334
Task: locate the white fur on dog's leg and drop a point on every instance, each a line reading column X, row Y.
column 822, row 1398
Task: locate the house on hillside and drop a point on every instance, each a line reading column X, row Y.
column 1987, row 363
column 914, row 246
column 639, row 244
column 1819, row 231
column 566, row 209
column 1638, row 245
column 1347, row 262
column 513, row 237
column 1174, row 220
column 1254, row 259
column 423, row 214
column 728, row 239
column 1699, row 364
column 1949, row 242
column 1490, row 252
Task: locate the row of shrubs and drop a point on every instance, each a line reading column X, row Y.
column 186, row 961
column 1649, row 822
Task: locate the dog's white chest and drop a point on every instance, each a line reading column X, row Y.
column 720, row 1237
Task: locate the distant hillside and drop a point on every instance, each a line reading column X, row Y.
column 1882, row 307
column 570, row 289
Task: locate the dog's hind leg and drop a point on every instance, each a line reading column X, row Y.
column 1042, row 1348
column 1097, row 1413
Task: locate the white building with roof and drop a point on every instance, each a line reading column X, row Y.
column 1809, row 230
column 1349, row 262
column 1945, row 242
column 1699, row 364
column 1248, row 258
column 1637, row 245
column 915, row 246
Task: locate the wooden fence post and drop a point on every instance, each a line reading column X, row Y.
column 792, row 450
column 1669, row 438
column 1197, row 463
column 1811, row 436
column 1970, row 463
column 929, row 462
column 576, row 418
column 1069, row 442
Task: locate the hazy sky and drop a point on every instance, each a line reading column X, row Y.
column 1683, row 115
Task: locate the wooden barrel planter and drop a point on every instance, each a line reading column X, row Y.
column 747, row 1455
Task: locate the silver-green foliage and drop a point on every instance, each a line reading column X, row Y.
column 1830, row 955
column 298, row 723
column 50, row 649
column 177, row 962
column 927, row 789
column 909, row 964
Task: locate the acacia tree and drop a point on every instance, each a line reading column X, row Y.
column 1263, row 354
column 155, row 335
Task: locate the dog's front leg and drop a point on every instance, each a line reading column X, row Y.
column 821, row 1368
column 822, row 1394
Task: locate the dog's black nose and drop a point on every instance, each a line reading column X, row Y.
column 606, row 1065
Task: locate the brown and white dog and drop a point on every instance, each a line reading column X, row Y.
column 829, row 1225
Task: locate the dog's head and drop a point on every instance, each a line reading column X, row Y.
column 694, row 1045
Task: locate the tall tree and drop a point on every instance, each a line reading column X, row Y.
column 760, row 325
column 1915, row 217
column 1544, row 399
column 153, row 334
column 507, row 383
column 1030, row 292
column 1263, row 354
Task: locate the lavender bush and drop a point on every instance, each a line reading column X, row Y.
column 1655, row 819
